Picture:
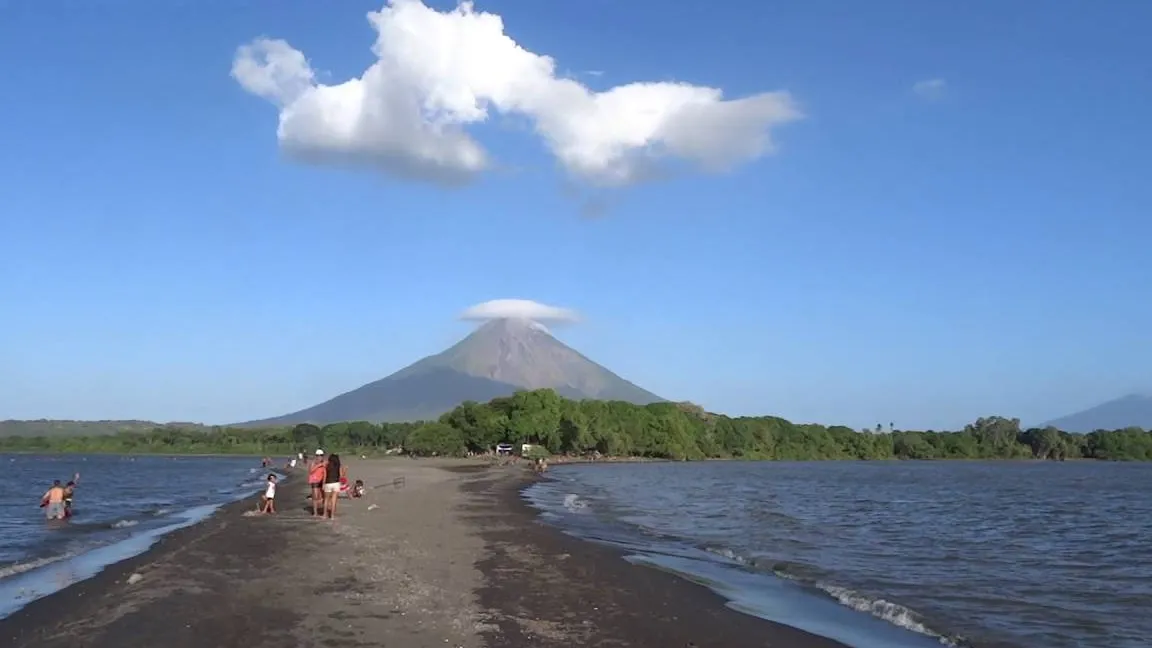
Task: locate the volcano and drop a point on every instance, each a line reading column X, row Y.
column 1133, row 410
column 501, row 357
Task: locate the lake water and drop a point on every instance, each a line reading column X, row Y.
column 889, row 554
column 121, row 507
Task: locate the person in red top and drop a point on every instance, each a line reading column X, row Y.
column 317, row 471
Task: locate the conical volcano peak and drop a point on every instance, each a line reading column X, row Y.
column 514, row 326
column 512, row 350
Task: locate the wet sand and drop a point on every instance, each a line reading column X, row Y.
column 439, row 553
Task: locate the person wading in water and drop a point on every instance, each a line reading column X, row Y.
column 316, row 473
column 53, row 502
column 69, row 490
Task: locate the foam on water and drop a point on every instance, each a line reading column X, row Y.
column 15, row 569
column 894, row 613
column 573, row 503
column 781, row 601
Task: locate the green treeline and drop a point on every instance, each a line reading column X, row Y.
column 614, row 428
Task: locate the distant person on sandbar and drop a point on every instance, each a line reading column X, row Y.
column 268, row 502
column 333, row 472
column 316, row 473
column 53, row 502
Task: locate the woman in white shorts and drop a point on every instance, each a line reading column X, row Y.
column 332, row 474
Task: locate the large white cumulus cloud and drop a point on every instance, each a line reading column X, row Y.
column 438, row 72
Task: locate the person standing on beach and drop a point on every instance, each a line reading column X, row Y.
column 270, row 496
column 316, row 474
column 333, row 472
column 53, row 502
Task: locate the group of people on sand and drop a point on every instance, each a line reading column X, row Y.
column 327, row 478
column 327, row 482
column 57, row 501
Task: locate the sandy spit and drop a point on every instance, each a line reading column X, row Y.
column 439, row 553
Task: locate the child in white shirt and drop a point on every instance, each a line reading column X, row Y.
column 268, row 501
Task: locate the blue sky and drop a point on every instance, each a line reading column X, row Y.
column 900, row 257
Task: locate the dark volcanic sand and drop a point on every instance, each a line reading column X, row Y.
column 447, row 558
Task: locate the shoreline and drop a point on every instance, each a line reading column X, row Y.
column 27, row 622
column 569, row 591
column 440, row 552
column 557, row 460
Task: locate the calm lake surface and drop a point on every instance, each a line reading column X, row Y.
column 890, row 554
column 122, row 505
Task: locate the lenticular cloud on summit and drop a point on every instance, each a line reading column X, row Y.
column 519, row 309
column 437, row 72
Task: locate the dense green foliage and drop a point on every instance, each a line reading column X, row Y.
column 614, row 428
column 49, row 428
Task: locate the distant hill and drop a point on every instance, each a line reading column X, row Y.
column 1133, row 410
column 54, row 428
column 499, row 358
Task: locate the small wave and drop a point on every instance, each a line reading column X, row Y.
column 787, row 570
column 123, row 524
column 727, row 553
column 574, row 504
column 783, row 570
column 21, row 567
column 161, row 511
column 893, row 613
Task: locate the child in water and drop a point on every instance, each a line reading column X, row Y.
column 268, row 501
column 69, row 491
column 358, row 488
